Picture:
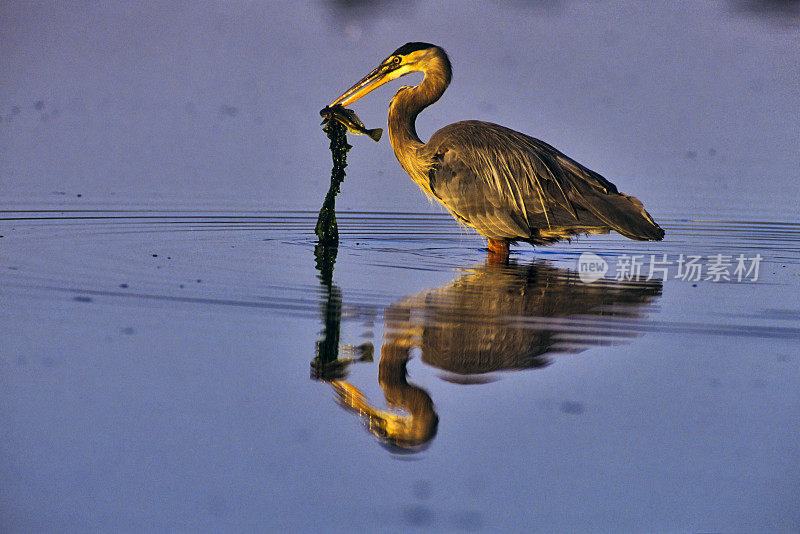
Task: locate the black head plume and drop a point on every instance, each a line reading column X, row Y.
column 412, row 47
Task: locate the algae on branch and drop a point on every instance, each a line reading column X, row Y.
column 327, row 230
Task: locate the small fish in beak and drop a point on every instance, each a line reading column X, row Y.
column 350, row 119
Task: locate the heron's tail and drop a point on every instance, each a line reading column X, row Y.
column 626, row 215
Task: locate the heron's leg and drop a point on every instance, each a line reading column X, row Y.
column 498, row 251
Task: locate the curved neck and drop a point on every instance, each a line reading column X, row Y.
column 407, row 104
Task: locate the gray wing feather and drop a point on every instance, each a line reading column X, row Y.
column 457, row 186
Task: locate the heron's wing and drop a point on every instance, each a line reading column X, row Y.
column 531, row 182
column 463, row 192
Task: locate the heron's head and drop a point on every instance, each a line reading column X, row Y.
column 411, row 57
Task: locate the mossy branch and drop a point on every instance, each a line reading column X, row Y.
column 327, row 230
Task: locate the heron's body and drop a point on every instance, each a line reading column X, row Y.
column 506, row 185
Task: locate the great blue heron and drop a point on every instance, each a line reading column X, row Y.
column 506, row 185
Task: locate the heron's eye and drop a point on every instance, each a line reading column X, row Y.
column 396, row 60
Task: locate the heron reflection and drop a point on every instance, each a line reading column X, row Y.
column 494, row 318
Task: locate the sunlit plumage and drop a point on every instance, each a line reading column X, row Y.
column 506, row 185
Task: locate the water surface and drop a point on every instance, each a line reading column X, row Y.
column 191, row 362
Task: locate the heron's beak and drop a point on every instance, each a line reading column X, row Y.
column 373, row 80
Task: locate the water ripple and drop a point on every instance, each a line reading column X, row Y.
column 225, row 259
